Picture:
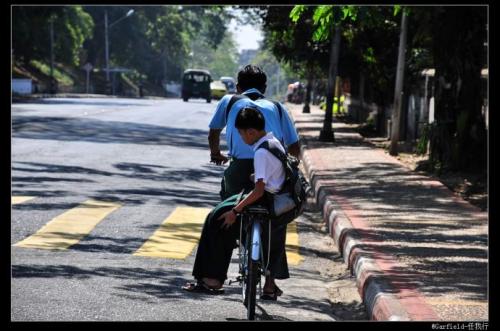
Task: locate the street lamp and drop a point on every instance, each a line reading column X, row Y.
column 106, row 27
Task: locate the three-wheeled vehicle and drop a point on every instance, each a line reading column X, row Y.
column 196, row 84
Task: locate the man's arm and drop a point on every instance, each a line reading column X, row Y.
column 289, row 133
column 214, row 143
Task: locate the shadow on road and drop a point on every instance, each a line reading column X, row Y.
column 114, row 132
column 166, row 184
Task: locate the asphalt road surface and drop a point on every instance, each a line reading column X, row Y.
column 108, row 199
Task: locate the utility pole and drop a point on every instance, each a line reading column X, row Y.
column 52, row 85
column 106, row 41
column 278, row 82
column 106, row 48
column 307, row 108
column 326, row 134
column 398, row 91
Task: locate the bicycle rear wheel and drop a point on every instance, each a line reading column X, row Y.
column 251, row 282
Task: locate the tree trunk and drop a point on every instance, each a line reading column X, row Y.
column 326, row 133
column 398, row 91
column 306, row 108
column 458, row 138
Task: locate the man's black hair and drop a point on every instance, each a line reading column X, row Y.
column 250, row 118
column 252, row 77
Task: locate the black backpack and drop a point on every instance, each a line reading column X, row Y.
column 295, row 183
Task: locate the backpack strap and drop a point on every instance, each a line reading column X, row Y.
column 275, row 151
column 280, row 156
column 232, row 101
column 280, row 109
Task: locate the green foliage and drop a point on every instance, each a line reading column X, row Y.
column 325, row 17
column 297, row 12
column 323, row 20
column 292, row 44
column 397, row 9
column 155, row 41
column 222, row 61
column 369, row 56
column 276, row 87
column 31, row 32
column 350, row 12
column 423, row 140
column 79, row 26
column 207, row 22
column 61, row 78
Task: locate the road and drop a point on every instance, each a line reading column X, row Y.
column 108, row 200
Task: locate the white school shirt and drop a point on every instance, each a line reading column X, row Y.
column 267, row 166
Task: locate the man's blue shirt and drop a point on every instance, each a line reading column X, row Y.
column 283, row 129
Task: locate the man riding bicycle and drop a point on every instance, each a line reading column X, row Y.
column 221, row 229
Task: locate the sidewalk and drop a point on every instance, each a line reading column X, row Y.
column 418, row 251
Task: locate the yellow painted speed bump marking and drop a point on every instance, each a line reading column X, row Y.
column 20, row 199
column 292, row 244
column 70, row 227
column 177, row 236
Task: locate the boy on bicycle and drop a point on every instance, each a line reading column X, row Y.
column 220, row 232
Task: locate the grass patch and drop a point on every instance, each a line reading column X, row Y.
column 61, row 77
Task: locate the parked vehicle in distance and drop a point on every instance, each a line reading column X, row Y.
column 230, row 84
column 196, row 84
column 218, row 89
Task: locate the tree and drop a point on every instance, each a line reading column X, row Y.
column 450, row 38
column 222, row 61
column 294, row 44
column 31, row 32
column 458, row 136
column 396, row 114
column 272, row 67
column 156, row 40
column 328, row 20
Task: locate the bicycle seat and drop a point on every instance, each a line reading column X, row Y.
column 256, row 210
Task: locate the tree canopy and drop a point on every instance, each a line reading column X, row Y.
column 155, row 41
column 31, row 32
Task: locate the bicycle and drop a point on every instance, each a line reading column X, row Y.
column 250, row 255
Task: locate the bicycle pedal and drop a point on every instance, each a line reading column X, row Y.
column 237, row 280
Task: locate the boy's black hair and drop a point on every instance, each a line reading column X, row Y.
column 252, row 76
column 250, row 118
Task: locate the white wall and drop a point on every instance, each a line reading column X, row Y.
column 22, row 86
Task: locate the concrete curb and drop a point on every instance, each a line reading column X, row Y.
column 380, row 306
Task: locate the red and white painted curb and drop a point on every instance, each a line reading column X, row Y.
column 383, row 300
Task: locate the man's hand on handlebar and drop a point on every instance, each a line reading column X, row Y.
column 218, row 158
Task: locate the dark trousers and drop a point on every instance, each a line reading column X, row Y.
column 216, row 245
column 237, row 178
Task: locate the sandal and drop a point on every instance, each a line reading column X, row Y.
column 202, row 287
column 273, row 296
